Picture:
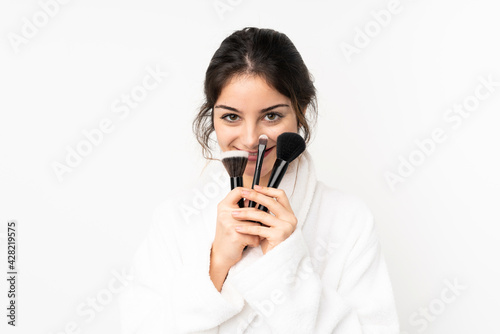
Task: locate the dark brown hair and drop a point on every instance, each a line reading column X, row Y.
column 269, row 54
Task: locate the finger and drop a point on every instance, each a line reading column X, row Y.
column 277, row 208
column 244, row 221
column 233, row 196
column 279, row 194
column 250, row 240
column 261, row 231
column 253, row 214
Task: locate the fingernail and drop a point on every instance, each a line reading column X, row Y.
column 236, row 213
column 257, row 187
column 238, row 228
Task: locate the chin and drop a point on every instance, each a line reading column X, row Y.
column 250, row 170
column 267, row 166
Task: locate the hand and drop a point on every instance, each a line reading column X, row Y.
column 278, row 226
column 228, row 244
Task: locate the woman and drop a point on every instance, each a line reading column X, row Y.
column 314, row 266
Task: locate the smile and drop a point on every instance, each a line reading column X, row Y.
column 252, row 156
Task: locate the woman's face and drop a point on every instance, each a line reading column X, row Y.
column 247, row 108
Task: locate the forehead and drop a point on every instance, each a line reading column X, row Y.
column 250, row 92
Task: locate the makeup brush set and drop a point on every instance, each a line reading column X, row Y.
column 289, row 146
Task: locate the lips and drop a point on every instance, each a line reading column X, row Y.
column 252, row 156
column 256, row 152
column 266, row 152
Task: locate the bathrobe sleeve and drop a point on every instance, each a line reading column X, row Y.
column 285, row 289
column 363, row 300
column 171, row 291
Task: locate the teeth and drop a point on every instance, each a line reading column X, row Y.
column 252, row 153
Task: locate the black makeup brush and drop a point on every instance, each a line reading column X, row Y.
column 258, row 165
column 288, row 147
column 235, row 163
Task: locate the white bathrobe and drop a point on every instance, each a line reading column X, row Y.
column 329, row 276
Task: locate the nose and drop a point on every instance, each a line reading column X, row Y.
column 250, row 137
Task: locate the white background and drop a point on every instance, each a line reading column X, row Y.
column 440, row 224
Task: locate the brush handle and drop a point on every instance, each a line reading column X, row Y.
column 279, row 170
column 256, row 175
column 237, row 181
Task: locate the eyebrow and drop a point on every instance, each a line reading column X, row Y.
column 262, row 111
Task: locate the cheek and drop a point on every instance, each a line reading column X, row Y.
column 223, row 135
column 292, row 125
column 288, row 125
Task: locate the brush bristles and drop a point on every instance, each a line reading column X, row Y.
column 235, row 162
column 289, row 146
column 263, row 140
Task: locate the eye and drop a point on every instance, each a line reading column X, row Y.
column 273, row 117
column 230, row 117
